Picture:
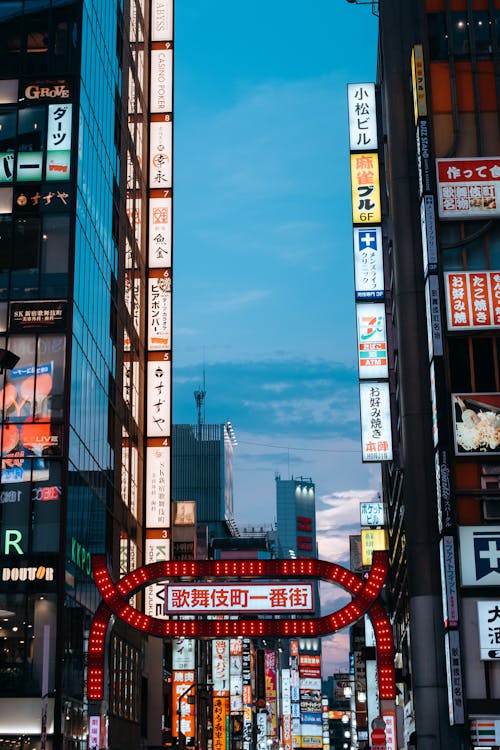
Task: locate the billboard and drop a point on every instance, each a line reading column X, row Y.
column 362, row 116
column 472, row 300
column 244, row 597
column 488, row 620
column 368, row 263
column 365, row 187
column 372, row 340
column 480, row 555
column 376, row 430
column 372, row 514
column 476, row 423
column 371, row 540
column 468, row 188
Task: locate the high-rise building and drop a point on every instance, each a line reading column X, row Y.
column 85, row 306
column 202, row 470
column 296, row 517
column 439, row 155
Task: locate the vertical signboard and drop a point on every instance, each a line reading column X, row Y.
column 376, row 431
column 159, row 276
column 362, row 116
column 372, row 340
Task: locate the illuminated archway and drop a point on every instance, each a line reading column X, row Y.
column 366, row 592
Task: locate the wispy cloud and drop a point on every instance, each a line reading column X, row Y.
column 237, row 300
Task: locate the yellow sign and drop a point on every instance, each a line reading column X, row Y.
column 219, row 730
column 365, row 184
column 371, row 540
column 418, row 82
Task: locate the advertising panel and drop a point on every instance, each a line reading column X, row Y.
column 468, row 188
column 42, row 315
column 472, row 300
column 242, row 597
column 270, row 662
column 476, row 423
column 488, row 618
column 160, row 310
column 376, row 430
column 183, row 653
column 160, row 153
column 480, row 555
column 368, row 263
column 365, row 185
column 220, row 664
column 158, row 486
column 372, row 340
column 159, row 398
column 371, row 540
column 418, row 82
column 454, row 677
column 162, row 20
column 449, row 587
column 162, row 61
column 182, row 709
column 433, row 312
column 362, row 117
column 160, row 228
column 59, row 127
column 372, row 514
column 429, row 236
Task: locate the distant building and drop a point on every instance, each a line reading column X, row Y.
column 202, row 470
column 296, row 517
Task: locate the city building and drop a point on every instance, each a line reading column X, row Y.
column 202, row 471
column 296, row 517
column 85, row 312
column 431, row 370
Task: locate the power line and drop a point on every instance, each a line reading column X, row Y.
column 288, row 448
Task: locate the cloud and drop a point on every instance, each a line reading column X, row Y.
column 239, row 299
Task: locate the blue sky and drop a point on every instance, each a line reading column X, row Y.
column 263, row 268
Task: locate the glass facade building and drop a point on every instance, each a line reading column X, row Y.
column 85, row 306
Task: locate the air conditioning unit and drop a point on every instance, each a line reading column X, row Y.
column 491, row 509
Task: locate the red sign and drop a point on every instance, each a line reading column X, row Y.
column 472, row 299
column 378, row 737
column 468, row 188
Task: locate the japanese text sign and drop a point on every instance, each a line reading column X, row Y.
column 212, row 598
column 376, row 434
column 468, row 188
column 368, row 263
column 488, row 620
column 372, row 340
column 472, row 299
column 365, row 187
column 362, row 116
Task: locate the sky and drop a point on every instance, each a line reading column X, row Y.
column 263, row 265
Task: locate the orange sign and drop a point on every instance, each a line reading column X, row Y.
column 219, row 722
column 472, row 299
column 181, row 681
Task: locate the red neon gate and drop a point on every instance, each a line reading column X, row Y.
column 366, row 592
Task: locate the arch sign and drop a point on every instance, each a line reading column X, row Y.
column 365, row 595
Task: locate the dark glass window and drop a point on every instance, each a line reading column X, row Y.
column 7, row 131
column 460, row 377
column 5, row 242
column 438, row 43
column 484, row 370
column 27, row 238
column 31, row 128
column 10, row 36
column 460, row 34
column 481, row 31
column 54, row 260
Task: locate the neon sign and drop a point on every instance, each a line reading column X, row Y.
column 366, row 592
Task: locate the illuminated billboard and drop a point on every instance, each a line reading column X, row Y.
column 468, row 188
column 376, row 429
column 365, row 186
column 372, row 340
column 362, row 116
column 472, row 300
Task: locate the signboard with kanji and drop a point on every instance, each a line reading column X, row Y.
column 488, row 620
column 365, row 186
column 376, row 430
column 362, row 116
column 468, row 188
column 472, row 299
column 245, row 597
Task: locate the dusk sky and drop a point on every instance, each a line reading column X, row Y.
column 263, row 264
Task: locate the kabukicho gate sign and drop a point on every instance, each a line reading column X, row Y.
column 365, row 594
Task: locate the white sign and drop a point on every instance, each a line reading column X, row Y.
column 429, row 237
column 94, row 732
column 480, row 555
column 454, row 677
column 433, row 311
column 162, row 21
column 158, row 487
column 160, row 312
column 468, row 188
column 372, row 514
column 376, row 431
column 362, row 116
column 59, row 127
column 488, row 618
column 243, row 597
column 162, row 61
column 159, row 398
column 183, row 653
column 160, row 154
column 449, row 587
column 160, row 232
column 372, row 340
column 220, row 664
column 368, row 263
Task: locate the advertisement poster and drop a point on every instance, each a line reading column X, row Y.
column 476, row 423
column 468, row 188
column 472, row 300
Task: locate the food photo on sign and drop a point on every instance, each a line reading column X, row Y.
column 476, row 423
